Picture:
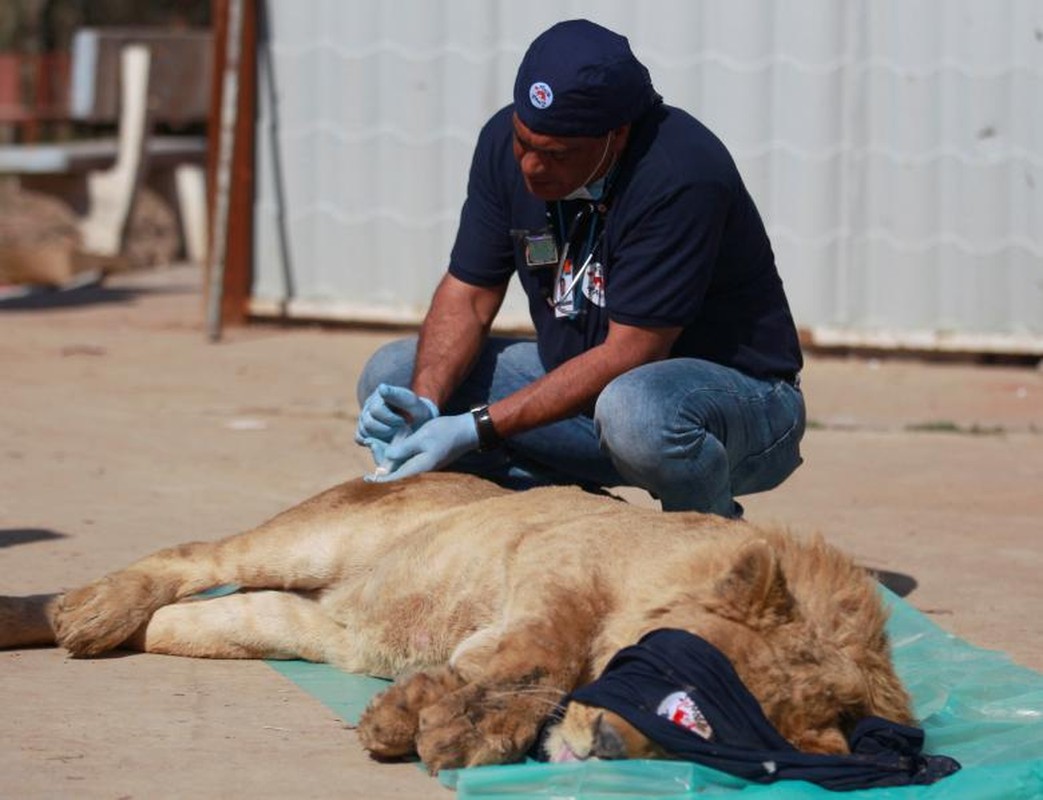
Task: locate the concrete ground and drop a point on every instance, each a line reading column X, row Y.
column 126, row 431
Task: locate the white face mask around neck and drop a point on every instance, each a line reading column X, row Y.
column 593, row 191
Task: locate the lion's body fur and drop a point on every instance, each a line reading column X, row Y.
column 507, row 600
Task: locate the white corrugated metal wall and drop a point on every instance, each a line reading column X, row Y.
column 895, row 148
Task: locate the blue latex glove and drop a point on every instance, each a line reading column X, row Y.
column 391, row 411
column 436, row 443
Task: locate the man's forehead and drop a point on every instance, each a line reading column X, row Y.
column 543, row 142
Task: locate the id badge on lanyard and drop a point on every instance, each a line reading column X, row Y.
column 541, row 250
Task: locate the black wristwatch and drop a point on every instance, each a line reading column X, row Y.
column 488, row 438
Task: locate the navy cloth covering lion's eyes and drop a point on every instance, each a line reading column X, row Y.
column 682, row 693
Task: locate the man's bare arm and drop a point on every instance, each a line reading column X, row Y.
column 574, row 386
column 452, row 336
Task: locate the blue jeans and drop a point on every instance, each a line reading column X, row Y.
column 693, row 433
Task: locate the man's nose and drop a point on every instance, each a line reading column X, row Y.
column 533, row 164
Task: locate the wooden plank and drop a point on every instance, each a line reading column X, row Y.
column 181, row 73
column 94, row 154
column 238, row 268
column 33, row 91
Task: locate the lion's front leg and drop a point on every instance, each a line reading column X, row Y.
column 451, row 723
column 389, row 726
column 484, row 724
column 512, row 687
column 487, row 706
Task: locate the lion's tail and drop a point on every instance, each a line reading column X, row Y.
column 27, row 621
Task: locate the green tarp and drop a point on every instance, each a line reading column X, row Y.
column 975, row 705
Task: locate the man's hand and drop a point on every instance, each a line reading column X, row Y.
column 391, row 410
column 438, row 442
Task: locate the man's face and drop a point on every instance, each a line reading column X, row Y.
column 555, row 166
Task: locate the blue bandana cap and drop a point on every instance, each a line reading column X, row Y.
column 580, row 79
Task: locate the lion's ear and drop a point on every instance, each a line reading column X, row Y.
column 754, row 590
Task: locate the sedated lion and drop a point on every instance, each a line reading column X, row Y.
column 488, row 606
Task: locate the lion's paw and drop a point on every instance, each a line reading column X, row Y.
column 468, row 729
column 104, row 614
column 388, row 727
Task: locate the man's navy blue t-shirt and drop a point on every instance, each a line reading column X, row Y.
column 682, row 245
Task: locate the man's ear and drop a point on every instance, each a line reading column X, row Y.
column 754, row 590
column 620, row 137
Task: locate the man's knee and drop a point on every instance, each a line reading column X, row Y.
column 629, row 423
column 392, row 363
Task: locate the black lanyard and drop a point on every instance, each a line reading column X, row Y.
column 577, row 253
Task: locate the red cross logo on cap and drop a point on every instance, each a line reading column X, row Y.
column 540, row 95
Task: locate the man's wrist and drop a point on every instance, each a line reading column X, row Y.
column 430, row 404
column 488, row 438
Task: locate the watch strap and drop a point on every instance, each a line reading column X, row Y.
column 488, row 438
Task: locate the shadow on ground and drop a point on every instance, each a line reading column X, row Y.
column 11, row 537
column 50, row 298
column 899, row 583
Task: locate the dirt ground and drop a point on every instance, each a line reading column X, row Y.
column 125, row 431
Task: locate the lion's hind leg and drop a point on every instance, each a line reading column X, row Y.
column 256, row 624
column 104, row 614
